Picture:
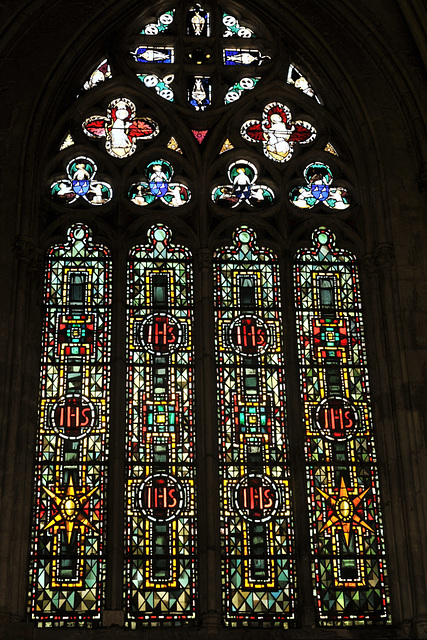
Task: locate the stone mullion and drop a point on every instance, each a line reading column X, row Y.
column 207, row 450
column 113, row 610
column 305, row 610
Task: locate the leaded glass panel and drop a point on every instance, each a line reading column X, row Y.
column 256, row 522
column 341, row 465
column 160, row 493
column 68, row 549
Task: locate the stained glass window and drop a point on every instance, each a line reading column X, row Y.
column 120, row 128
column 159, row 187
column 198, row 22
column 341, row 465
column 163, row 55
column 256, row 522
column 296, row 78
column 161, row 85
column 158, row 141
column 277, row 132
column 236, row 90
column 163, row 23
column 234, row 28
column 160, row 575
column 244, row 57
column 68, row 552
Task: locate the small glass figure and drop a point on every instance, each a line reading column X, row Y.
column 100, row 74
column 299, row 81
column 245, row 57
column 80, row 183
column 318, row 190
column 243, row 176
column 198, row 23
column 199, row 92
column 158, row 186
column 163, row 55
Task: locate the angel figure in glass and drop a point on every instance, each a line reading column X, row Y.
column 277, row 132
column 318, row 177
column 80, row 183
column 158, row 187
column 120, row 128
column 243, row 188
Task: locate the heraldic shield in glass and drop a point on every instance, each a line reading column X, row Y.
column 341, row 466
column 160, row 502
column 68, row 548
column 256, row 523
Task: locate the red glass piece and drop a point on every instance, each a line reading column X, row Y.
column 199, row 135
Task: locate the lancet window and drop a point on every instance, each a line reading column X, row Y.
column 194, row 161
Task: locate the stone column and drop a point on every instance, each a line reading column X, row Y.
column 19, row 420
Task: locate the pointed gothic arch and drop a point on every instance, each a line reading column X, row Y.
column 374, row 231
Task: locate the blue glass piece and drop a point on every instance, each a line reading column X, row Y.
column 320, row 191
column 158, row 189
column 242, row 190
column 80, row 187
column 228, row 55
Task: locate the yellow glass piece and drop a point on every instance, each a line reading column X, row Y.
column 67, row 142
column 68, row 508
column 173, row 144
column 330, row 149
column 344, row 509
column 227, row 146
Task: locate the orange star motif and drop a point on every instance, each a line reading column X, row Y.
column 345, row 507
column 70, row 508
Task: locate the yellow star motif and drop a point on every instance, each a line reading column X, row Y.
column 345, row 506
column 70, row 508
